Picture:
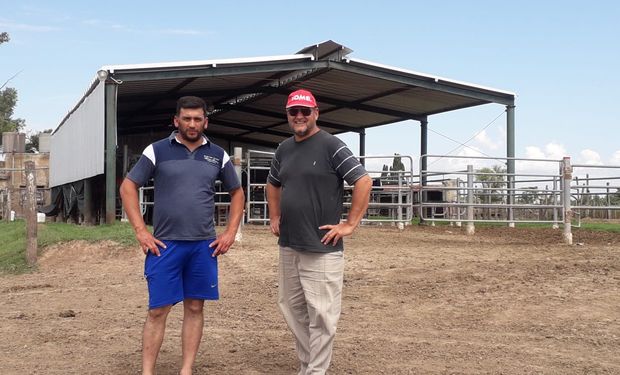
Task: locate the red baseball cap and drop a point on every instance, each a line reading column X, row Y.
column 301, row 98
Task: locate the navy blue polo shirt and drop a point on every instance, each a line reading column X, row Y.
column 184, row 186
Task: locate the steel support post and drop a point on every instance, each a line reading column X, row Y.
column 510, row 162
column 110, row 152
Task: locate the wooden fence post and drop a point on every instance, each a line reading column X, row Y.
column 470, row 228
column 567, row 176
column 31, row 214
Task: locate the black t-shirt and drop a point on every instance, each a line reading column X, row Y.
column 311, row 175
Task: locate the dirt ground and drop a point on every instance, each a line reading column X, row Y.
column 427, row 300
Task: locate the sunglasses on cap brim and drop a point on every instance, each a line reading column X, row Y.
column 306, row 111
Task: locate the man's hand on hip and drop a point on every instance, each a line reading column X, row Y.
column 336, row 232
column 148, row 242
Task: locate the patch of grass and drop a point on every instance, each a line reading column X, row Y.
column 13, row 247
column 52, row 233
column 601, row 226
column 13, row 239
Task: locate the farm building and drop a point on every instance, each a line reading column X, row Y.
column 126, row 107
column 13, row 158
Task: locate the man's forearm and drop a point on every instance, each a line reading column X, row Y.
column 237, row 202
column 129, row 198
column 273, row 201
column 359, row 200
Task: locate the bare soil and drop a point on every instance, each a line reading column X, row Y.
column 426, row 300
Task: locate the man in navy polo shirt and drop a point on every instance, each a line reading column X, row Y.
column 181, row 254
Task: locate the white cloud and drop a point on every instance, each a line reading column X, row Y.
column 53, row 13
column 588, row 156
column 533, row 152
column 27, row 27
column 120, row 27
column 502, row 132
column 117, row 26
column 182, row 32
column 103, row 24
column 485, row 141
column 555, row 151
column 92, row 22
column 470, row 151
column 458, row 164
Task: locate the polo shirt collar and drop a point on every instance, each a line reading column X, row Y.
column 173, row 137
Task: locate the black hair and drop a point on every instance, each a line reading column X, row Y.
column 191, row 102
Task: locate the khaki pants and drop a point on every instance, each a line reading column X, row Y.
column 310, row 291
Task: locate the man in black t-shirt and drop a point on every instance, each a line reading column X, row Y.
column 305, row 193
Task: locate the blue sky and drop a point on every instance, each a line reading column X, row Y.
column 561, row 58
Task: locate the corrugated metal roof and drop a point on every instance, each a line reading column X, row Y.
column 248, row 94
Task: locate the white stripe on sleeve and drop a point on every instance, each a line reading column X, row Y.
column 338, row 150
column 149, row 152
column 351, row 170
column 272, row 176
column 347, row 158
column 226, row 159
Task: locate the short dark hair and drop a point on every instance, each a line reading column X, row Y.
column 191, row 102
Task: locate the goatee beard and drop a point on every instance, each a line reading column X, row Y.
column 191, row 139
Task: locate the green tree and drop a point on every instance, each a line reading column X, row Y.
column 32, row 143
column 615, row 198
column 493, row 181
column 387, row 176
column 385, row 170
column 397, row 165
column 529, row 195
column 8, row 100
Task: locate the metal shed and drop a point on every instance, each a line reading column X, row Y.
column 128, row 106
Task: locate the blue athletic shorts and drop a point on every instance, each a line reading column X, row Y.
column 185, row 269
